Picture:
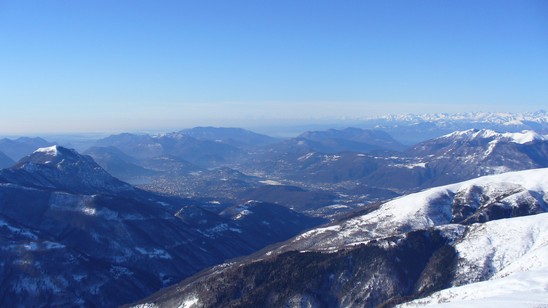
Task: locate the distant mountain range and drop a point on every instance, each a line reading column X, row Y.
column 505, row 118
column 411, row 247
column 16, row 149
column 413, row 128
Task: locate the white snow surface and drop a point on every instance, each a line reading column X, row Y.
column 514, row 252
column 425, row 209
column 188, row 303
column 503, row 247
column 524, row 289
column 270, row 182
column 52, row 150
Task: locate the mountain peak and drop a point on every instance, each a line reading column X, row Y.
column 52, row 150
column 522, row 137
column 57, row 167
column 54, row 154
column 57, row 150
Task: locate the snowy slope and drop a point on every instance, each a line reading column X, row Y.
column 491, row 229
column 431, row 207
column 511, row 253
column 519, row 137
column 523, row 289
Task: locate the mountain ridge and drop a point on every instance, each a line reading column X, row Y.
column 408, row 248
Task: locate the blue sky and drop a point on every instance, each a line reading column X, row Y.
column 73, row 66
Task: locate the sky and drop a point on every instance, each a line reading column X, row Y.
column 112, row 66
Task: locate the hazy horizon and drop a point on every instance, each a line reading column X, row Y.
column 125, row 66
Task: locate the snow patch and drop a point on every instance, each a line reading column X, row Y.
column 306, row 156
column 409, row 166
column 270, row 182
column 88, row 211
column 330, row 158
column 190, row 302
column 17, row 231
column 523, row 137
column 52, row 150
column 154, row 253
column 40, row 246
column 212, row 232
column 242, row 214
column 146, row 305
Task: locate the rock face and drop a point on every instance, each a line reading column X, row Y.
column 408, row 248
column 72, row 235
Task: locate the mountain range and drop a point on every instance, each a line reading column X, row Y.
column 451, row 158
column 138, row 213
column 352, row 178
column 414, row 128
column 484, row 229
column 74, row 235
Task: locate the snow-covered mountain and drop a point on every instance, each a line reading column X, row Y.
column 508, row 257
column 471, row 153
column 57, row 167
column 489, row 228
column 483, row 199
column 504, row 118
column 450, row 143
column 413, row 128
column 522, row 137
column 455, row 157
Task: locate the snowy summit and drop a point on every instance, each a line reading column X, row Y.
column 52, row 150
column 523, row 137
